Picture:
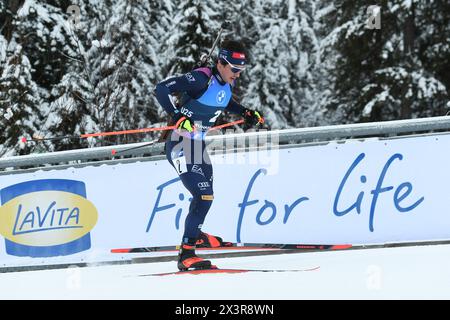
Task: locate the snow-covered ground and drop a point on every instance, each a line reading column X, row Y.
column 390, row 273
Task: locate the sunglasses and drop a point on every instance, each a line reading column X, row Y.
column 234, row 68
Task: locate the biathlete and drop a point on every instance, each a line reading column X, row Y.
column 204, row 94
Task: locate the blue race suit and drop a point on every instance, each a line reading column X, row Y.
column 204, row 96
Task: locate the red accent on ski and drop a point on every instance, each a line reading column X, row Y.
column 206, row 271
column 236, row 248
column 217, row 270
column 324, row 247
column 121, row 250
column 341, row 247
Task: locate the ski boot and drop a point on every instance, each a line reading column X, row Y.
column 187, row 259
column 206, row 240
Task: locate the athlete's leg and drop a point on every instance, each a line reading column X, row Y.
column 198, row 180
column 196, row 176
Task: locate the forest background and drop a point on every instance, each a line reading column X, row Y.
column 69, row 67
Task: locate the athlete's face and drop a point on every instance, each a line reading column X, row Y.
column 227, row 74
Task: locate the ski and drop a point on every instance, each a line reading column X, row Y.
column 222, row 271
column 238, row 246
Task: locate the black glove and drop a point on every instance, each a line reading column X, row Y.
column 252, row 117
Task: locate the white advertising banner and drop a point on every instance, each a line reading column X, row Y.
column 358, row 192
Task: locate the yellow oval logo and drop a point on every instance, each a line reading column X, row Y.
column 47, row 218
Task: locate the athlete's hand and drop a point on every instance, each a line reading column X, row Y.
column 184, row 123
column 253, row 117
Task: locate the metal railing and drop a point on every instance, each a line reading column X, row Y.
column 287, row 136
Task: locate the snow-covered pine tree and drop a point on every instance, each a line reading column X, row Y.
column 268, row 76
column 35, row 58
column 283, row 57
column 37, row 28
column 303, row 63
column 379, row 74
column 284, row 60
column 8, row 12
column 40, row 24
column 322, row 109
column 433, row 41
column 162, row 27
column 195, row 27
column 130, row 50
column 110, row 84
column 4, row 25
column 19, row 107
column 70, row 111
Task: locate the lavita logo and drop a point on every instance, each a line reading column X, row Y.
column 44, row 218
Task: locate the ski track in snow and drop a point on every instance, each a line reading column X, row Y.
column 421, row 272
